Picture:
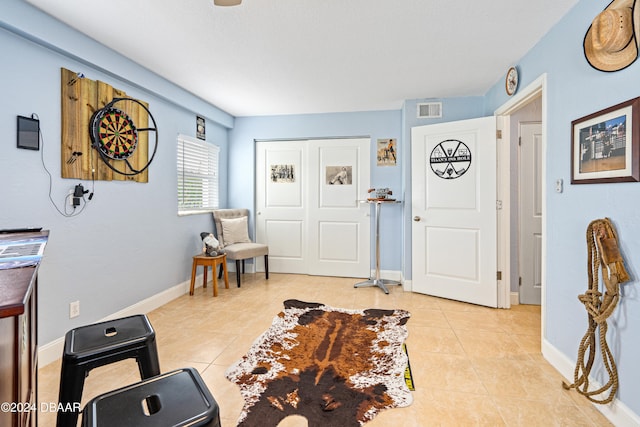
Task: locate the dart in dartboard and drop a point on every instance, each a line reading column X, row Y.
column 114, row 135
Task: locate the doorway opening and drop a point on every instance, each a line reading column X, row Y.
column 527, row 107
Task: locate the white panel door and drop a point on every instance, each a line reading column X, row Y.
column 339, row 225
column 530, row 239
column 281, row 204
column 307, row 205
column 454, row 240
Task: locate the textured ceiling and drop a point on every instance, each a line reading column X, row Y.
column 269, row 57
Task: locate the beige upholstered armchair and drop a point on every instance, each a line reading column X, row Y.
column 232, row 230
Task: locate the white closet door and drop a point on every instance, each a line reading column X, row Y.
column 339, row 225
column 281, row 204
column 307, row 204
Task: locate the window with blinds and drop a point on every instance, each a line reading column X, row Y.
column 197, row 175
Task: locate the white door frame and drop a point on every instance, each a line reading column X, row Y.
column 534, row 89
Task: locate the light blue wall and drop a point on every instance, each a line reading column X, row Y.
column 129, row 243
column 376, row 125
column 395, row 237
column 576, row 90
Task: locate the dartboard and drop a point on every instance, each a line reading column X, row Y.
column 114, row 136
column 117, row 136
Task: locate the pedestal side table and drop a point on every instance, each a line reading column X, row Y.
column 377, row 281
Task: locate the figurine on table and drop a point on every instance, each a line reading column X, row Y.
column 210, row 245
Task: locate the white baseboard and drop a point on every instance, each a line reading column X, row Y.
column 616, row 412
column 395, row 275
column 388, row 274
column 52, row 351
column 514, row 298
column 249, row 267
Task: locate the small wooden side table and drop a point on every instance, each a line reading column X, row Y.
column 206, row 262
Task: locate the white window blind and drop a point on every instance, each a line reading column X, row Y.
column 197, row 175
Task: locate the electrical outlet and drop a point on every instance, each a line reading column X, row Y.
column 74, row 309
column 70, row 197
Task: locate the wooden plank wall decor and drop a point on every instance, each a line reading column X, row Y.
column 81, row 97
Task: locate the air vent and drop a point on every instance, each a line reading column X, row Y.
column 430, row 110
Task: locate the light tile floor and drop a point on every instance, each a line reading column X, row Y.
column 472, row 366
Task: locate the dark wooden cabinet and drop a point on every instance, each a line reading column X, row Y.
column 19, row 344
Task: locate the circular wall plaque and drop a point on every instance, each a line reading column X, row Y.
column 450, row 159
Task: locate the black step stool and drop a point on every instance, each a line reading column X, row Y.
column 91, row 346
column 177, row 398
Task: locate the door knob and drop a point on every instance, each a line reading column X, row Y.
column 416, row 218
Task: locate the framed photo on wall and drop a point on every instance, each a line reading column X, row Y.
column 605, row 145
column 387, row 152
column 200, row 128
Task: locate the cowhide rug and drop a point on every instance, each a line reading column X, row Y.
column 335, row 367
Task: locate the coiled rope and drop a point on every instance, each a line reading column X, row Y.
column 603, row 252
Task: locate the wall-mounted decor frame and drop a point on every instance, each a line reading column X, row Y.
column 339, row 175
column 283, row 173
column 387, row 152
column 450, row 159
column 200, row 128
column 605, row 145
column 80, row 99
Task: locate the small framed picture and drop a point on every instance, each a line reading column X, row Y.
column 605, row 144
column 339, row 175
column 200, row 128
column 387, row 152
column 283, row 173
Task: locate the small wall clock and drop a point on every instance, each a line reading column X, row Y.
column 511, row 81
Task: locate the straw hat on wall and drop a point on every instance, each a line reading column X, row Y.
column 611, row 43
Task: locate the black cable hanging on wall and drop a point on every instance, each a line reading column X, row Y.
column 114, row 135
